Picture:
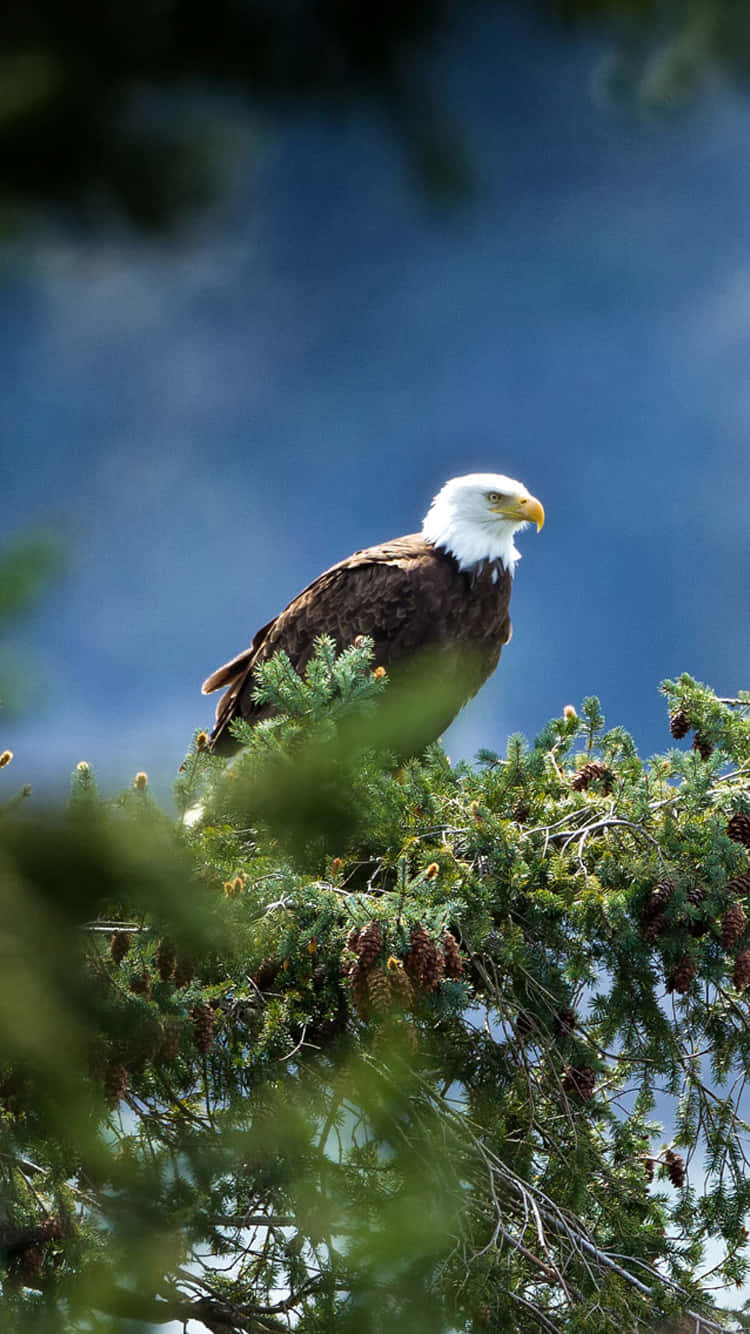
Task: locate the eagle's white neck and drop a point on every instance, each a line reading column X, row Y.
column 473, row 541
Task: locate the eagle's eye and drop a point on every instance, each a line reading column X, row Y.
column 494, row 497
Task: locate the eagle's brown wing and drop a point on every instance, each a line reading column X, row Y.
column 404, row 594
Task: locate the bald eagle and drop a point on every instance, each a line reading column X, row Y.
column 435, row 604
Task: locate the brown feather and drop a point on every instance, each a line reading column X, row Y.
column 431, row 623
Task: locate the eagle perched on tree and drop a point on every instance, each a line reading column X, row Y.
column 435, row 603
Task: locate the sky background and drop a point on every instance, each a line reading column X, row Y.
column 210, row 422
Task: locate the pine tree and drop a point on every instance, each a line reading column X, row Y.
column 404, row 1075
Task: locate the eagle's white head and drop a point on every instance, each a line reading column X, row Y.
column 475, row 518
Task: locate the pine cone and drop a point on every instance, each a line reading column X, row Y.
column 521, row 810
column 649, row 1164
column 454, row 964
column 141, row 984
column 169, row 1044
column 203, row 1027
column 330, row 1024
column 183, row 973
column 424, row 962
column 526, row 1024
column 420, row 951
column 115, row 1083
column 655, row 928
column 401, row 984
column 360, row 991
column 30, row 1270
column 164, row 959
column 733, row 925
column 352, row 938
column 593, row 769
column 565, row 1021
column 52, row 1229
column 379, row 989
column 741, row 970
column 739, row 828
column 118, row 946
column 739, row 885
column 369, row 945
column 679, row 724
column 434, row 971
column 675, row 1165
column 266, row 973
column 697, row 896
column 579, row 1079
column 681, row 978
column 657, row 901
column 704, row 747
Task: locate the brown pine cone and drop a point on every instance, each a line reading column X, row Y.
column 454, row 964
column 49, row 1229
column 733, row 925
column 741, row 970
column 424, row 962
column 648, row 1167
column 653, row 929
column 581, row 1080
column 169, row 1044
column 402, row 988
column 266, row 974
column 203, row 1027
column 118, row 946
column 434, row 971
column 565, row 1020
column 681, row 978
column 521, row 810
column 657, row 901
column 704, row 747
column 165, row 959
column 14, row 1240
column 379, row 989
column 593, row 769
column 30, row 1270
column 739, row 885
column 357, row 979
column 141, row 984
column 696, row 896
column 369, row 945
column 526, row 1024
column 183, row 972
column 330, row 1024
column 115, row 1083
column 675, row 1165
column 679, row 724
column 53, row 1228
column 739, row 828
column 352, row 938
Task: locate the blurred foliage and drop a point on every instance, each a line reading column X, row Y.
column 26, row 569
column 28, row 566
column 109, row 109
column 394, row 1074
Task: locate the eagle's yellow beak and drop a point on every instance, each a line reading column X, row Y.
column 527, row 509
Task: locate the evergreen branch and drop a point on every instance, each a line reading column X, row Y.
column 539, row 1317
column 566, row 1226
column 217, row 1314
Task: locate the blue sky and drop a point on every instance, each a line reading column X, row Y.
column 212, row 421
